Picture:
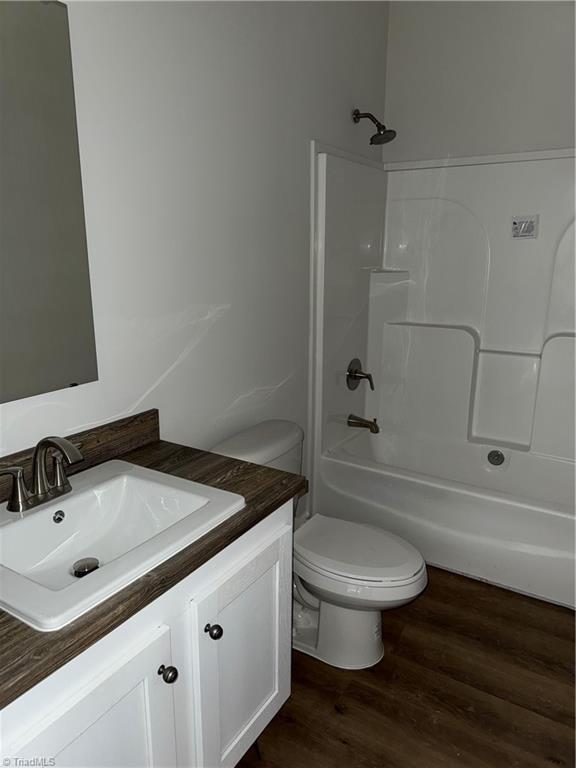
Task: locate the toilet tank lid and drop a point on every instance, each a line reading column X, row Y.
column 263, row 442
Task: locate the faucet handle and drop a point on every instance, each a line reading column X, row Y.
column 368, row 377
column 61, row 482
column 19, row 500
column 354, row 374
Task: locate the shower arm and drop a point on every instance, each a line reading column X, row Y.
column 357, row 116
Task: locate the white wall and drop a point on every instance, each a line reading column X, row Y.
column 479, row 78
column 194, row 126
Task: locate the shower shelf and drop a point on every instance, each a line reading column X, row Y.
column 490, row 442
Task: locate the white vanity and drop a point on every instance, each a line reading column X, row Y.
column 223, row 633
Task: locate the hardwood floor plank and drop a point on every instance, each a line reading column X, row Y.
column 479, row 716
column 301, row 739
column 500, row 603
column 470, row 663
column 307, row 672
column 531, row 647
column 413, row 733
column 474, row 676
column 343, row 738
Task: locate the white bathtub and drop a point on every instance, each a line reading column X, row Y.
column 516, row 542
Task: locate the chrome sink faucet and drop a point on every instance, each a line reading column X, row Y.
column 358, row 421
column 21, row 499
column 41, row 485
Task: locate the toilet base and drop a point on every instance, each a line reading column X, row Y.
column 341, row 637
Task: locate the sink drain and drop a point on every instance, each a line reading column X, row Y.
column 85, row 566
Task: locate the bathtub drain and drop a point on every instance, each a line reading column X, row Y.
column 496, row 458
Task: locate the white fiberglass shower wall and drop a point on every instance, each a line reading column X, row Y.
column 465, row 318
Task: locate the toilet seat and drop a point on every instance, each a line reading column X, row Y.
column 304, row 567
column 356, row 553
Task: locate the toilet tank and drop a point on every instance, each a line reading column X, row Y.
column 276, row 443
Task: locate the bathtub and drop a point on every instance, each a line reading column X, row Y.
column 488, row 533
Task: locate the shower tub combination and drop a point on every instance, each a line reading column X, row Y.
column 469, row 335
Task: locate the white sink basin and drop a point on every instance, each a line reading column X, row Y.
column 130, row 518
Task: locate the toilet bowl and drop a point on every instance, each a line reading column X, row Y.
column 345, row 573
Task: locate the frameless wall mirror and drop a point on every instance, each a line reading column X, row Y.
column 46, row 325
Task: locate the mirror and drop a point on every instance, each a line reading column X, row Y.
column 46, row 325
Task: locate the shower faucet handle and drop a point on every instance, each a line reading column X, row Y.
column 367, row 376
column 355, row 374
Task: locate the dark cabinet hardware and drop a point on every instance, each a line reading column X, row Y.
column 214, row 630
column 169, row 674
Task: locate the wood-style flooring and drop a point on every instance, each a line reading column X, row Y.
column 474, row 676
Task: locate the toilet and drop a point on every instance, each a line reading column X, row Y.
column 345, row 572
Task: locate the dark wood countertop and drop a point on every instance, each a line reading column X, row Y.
column 28, row 656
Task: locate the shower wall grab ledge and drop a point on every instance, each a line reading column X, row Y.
column 509, row 352
column 449, row 326
column 477, row 341
column 559, row 335
column 387, row 271
column 472, row 435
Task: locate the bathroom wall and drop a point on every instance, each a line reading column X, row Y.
column 476, row 352
column 479, row 78
column 194, row 126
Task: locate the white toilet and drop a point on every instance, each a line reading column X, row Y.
column 345, row 572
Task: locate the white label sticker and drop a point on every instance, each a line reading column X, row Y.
column 525, row 227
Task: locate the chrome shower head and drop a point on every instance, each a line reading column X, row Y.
column 383, row 135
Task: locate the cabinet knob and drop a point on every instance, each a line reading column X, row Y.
column 169, row 674
column 214, row 630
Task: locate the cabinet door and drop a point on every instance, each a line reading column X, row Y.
column 124, row 717
column 244, row 675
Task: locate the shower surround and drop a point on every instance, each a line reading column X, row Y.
column 466, row 321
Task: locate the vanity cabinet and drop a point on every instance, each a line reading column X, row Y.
column 225, row 630
column 244, row 644
column 122, row 717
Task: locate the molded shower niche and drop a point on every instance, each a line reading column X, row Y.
column 471, row 331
